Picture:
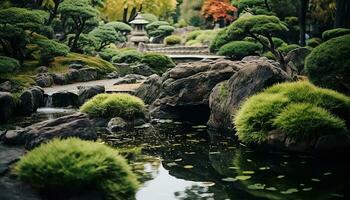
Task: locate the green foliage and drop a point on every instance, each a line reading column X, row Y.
column 278, row 42
column 114, row 105
column 239, row 49
column 150, row 17
column 304, row 121
column 172, row 40
column 220, row 39
column 129, row 56
column 288, row 48
column 108, row 53
column 333, row 33
column 119, row 27
column 50, row 49
column 299, row 109
column 73, row 165
column 194, row 43
column 8, row 64
column 193, row 35
column 105, row 35
column 313, row 42
column 158, row 62
column 159, row 29
column 328, row 65
column 154, row 25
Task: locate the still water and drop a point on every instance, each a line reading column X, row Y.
column 177, row 160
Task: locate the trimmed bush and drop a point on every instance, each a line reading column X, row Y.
column 313, row 42
column 108, row 53
column 333, row 33
column 193, row 35
column 49, row 49
column 158, row 62
column 194, row 43
column 328, row 65
column 239, row 49
column 278, row 42
column 8, row 64
column 300, row 110
column 119, row 26
column 149, row 17
column 288, row 48
column 172, row 40
column 220, row 39
column 73, row 165
column 129, row 56
column 114, row 105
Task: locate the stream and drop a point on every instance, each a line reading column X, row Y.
column 180, row 160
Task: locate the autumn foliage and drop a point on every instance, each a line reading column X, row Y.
column 218, row 10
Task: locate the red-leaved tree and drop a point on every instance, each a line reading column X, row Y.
column 219, row 11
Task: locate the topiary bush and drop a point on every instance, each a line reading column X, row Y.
column 125, row 106
column 328, row 65
column 159, row 63
column 66, row 167
column 288, row 48
column 49, row 49
column 129, row 56
column 172, row 40
column 300, row 110
column 108, row 53
column 8, row 64
column 313, row 42
column 193, row 35
column 333, row 33
column 220, row 39
column 239, row 49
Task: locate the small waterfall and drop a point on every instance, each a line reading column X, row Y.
column 48, row 103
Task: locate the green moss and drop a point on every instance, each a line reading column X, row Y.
column 8, row 64
column 221, row 38
column 313, row 42
column 108, row 53
column 73, row 165
column 129, row 56
column 89, row 61
column 239, row 49
column 303, row 121
column 159, row 63
column 269, row 55
column 114, row 105
column 288, row 48
column 172, row 40
column 223, row 89
column 333, row 33
column 325, row 109
column 328, row 65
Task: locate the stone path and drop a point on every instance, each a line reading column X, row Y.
column 110, row 88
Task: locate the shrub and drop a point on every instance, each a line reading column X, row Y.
column 278, row 42
column 114, row 105
column 49, row 49
column 108, row 53
column 300, row 109
column 207, row 36
column 239, row 49
column 333, row 33
column 150, row 17
column 129, row 56
column 154, row 25
column 194, row 43
column 193, row 35
column 73, row 165
column 220, row 39
column 172, row 40
column 288, row 48
column 158, row 62
column 313, row 42
column 328, row 65
column 119, row 26
column 8, row 64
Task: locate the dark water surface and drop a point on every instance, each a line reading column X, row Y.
column 178, row 160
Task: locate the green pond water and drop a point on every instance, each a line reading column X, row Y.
column 178, row 160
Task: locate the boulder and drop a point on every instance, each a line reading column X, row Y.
column 30, row 101
column 117, row 124
column 72, row 76
column 142, row 69
column 129, row 79
column 7, row 106
column 184, row 91
column 113, row 75
column 227, row 96
column 295, row 59
column 42, row 69
column 64, row 99
column 87, row 74
column 6, row 86
column 44, row 80
column 76, row 125
column 87, row 92
column 76, row 66
column 59, row 79
column 149, row 90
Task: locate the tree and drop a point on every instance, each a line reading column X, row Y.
column 262, row 28
column 302, row 20
column 16, row 27
column 342, row 15
column 191, row 12
column 81, row 13
column 218, row 11
column 105, row 35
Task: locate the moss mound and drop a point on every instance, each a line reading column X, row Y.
column 172, row 40
column 239, row 49
column 301, row 110
column 158, row 62
column 128, row 56
column 288, row 48
column 114, row 105
column 333, row 33
column 329, row 68
column 8, row 64
column 73, row 165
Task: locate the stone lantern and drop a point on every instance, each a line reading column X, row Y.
column 139, row 34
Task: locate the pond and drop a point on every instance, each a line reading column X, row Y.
column 179, row 160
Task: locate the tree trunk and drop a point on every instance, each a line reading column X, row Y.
column 53, row 13
column 342, row 15
column 125, row 15
column 267, row 6
column 302, row 21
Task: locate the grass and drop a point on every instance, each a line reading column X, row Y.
column 114, row 105
column 73, row 165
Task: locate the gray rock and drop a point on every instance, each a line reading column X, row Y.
column 65, row 99
column 142, row 69
column 44, row 80
column 117, row 124
column 30, row 101
column 87, row 92
column 227, row 96
column 149, row 89
column 13, row 189
column 76, row 66
column 59, row 79
column 87, row 74
column 6, row 86
column 42, row 69
column 9, row 155
column 295, row 59
column 72, row 76
column 7, row 106
column 76, row 125
column 129, row 79
column 113, row 75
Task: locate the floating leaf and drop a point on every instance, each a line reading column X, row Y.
column 171, row 164
column 337, row 195
column 271, row 189
column 290, row 191
column 257, row 186
column 248, row 160
column 307, row 189
column 178, row 160
column 229, row 179
column 208, row 184
column 212, row 153
column 281, row 176
column 199, row 127
column 243, row 178
column 188, row 166
column 264, row 168
column 174, row 145
column 327, row 173
column 235, row 168
column 193, row 141
column 315, row 180
column 248, row 172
